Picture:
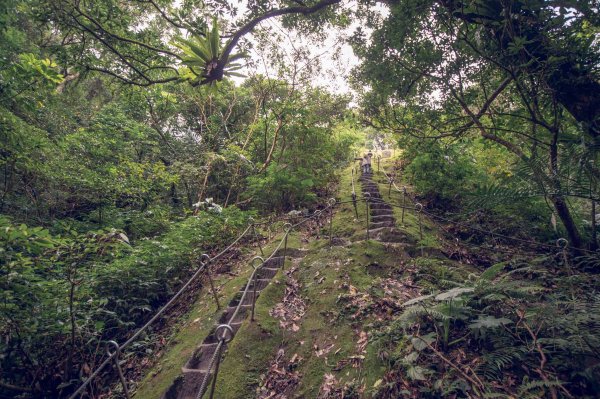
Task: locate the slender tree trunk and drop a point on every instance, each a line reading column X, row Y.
column 270, row 154
column 594, row 243
column 173, row 195
column 558, row 200
column 204, row 184
column 188, row 193
column 562, row 210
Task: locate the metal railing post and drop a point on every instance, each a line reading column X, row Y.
column 287, row 228
column 256, row 238
column 116, row 353
column 391, row 180
column 403, row 203
column 252, row 263
column 214, row 381
column 224, row 334
column 205, row 260
column 563, row 244
column 367, row 200
column 419, row 208
column 331, row 203
column 354, row 195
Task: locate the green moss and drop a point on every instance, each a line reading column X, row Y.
column 324, row 275
column 187, row 335
column 252, row 348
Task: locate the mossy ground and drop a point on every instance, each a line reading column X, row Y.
column 197, row 324
column 324, row 274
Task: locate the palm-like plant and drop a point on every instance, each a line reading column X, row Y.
column 203, row 55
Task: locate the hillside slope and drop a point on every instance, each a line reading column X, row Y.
column 397, row 315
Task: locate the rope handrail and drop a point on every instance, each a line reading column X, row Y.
column 353, row 189
column 159, row 313
column 113, row 355
column 486, row 232
column 224, row 332
column 391, row 180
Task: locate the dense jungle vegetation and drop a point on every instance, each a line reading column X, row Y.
column 136, row 135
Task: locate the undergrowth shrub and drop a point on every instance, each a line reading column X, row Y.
column 441, row 173
column 283, row 188
column 63, row 296
column 522, row 331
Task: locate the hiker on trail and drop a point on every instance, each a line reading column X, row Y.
column 363, row 164
column 368, row 162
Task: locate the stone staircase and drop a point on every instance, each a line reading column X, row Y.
column 382, row 224
column 188, row 384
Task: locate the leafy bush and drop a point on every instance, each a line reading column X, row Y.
column 283, row 188
column 514, row 331
column 442, row 174
column 63, row 295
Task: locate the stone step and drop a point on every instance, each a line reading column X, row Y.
column 200, row 360
column 382, row 218
column 185, row 387
column 291, row 253
column 379, row 205
column 226, row 316
column 195, row 369
column 275, row 261
column 267, row 272
column 392, row 235
column 260, row 283
column 238, row 296
column 381, row 212
column 370, row 185
column 388, row 223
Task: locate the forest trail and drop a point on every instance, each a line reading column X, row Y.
column 190, row 384
column 336, row 320
column 296, row 306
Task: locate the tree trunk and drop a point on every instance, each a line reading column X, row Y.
column 562, row 210
column 594, row 243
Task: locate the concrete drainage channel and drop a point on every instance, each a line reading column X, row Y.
column 188, row 385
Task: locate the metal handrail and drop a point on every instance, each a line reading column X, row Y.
column 220, row 330
column 464, row 224
column 119, row 348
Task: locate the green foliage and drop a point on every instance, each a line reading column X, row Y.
column 90, row 287
column 283, row 188
column 441, row 172
column 507, row 320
